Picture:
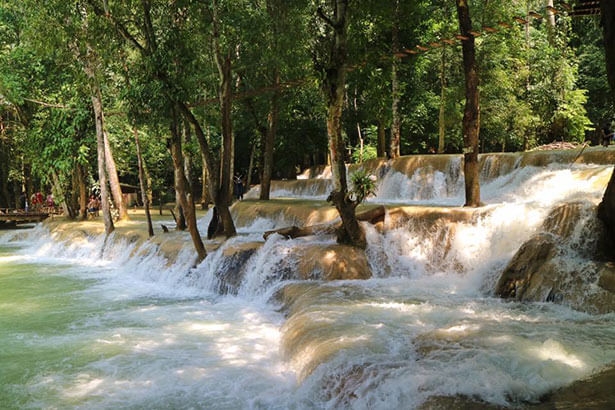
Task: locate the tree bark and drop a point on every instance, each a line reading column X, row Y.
column 272, row 128
column 606, row 209
column 220, row 202
column 114, row 181
column 102, row 168
column 83, row 193
column 143, row 184
column 274, row 12
column 223, row 63
column 381, row 147
column 184, row 196
column 471, row 115
column 441, row 116
column 607, row 7
column 395, row 89
column 333, row 85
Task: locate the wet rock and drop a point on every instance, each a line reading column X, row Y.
column 529, row 274
column 594, row 393
column 332, row 262
column 233, row 269
column 606, row 213
column 563, row 266
column 607, row 277
column 457, row 403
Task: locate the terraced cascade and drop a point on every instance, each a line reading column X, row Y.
column 420, row 320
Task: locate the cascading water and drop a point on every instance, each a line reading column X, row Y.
column 126, row 327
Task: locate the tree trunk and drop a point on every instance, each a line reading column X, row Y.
column 441, row 116
column 61, row 195
column 220, row 202
column 205, row 197
column 606, row 209
column 223, row 198
column 114, row 181
column 275, row 14
column 381, row 147
column 550, row 21
column 102, row 168
column 607, row 8
column 250, row 167
column 333, row 86
column 395, row 89
column 471, row 115
column 83, row 191
column 183, row 195
column 143, row 184
column 272, row 127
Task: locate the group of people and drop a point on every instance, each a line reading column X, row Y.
column 93, row 206
column 37, row 202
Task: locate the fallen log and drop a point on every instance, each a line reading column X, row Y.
column 373, row 216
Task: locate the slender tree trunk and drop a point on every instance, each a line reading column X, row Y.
column 61, row 195
column 251, row 167
column 381, row 147
column 220, row 202
column 550, row 21
column 333, row 86
column 471, row 115
column 114, row 181
column 4, row 170
column 83, row 191
column 223, row 63
column 526, row 30
column 441, row 116
column 102, row 168
column 143, row 184
column 606, row 209
column 274, row 12
column 205, row 197
column 272, row 127
column 181, row 184
column 90, row 63
column 395, row 88
column 607, row 8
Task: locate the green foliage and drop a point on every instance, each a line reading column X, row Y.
column 363, row 186
column 365, row 153
column 536, row 87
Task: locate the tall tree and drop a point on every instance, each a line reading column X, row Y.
column 275, row 13
column 606, row 209
column 223, row 59
column 471, row 115
column 159, row 49
column 395, row 86
column 333, row 71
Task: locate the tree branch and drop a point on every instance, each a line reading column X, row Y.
column 326, row 19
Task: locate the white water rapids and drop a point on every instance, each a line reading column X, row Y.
column 129, row 330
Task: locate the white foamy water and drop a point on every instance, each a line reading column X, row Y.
column 124, row 328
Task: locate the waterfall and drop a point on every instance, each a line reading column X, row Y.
column 130, row 321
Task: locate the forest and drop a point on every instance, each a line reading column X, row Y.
column 178, row 96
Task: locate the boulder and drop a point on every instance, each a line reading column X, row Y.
column 563, row 264
column 232, row 271
column 606, row 213
column 530, row 273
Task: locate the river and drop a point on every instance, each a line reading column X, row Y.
column 126, row 330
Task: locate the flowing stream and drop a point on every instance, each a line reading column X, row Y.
column 123, row 328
